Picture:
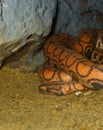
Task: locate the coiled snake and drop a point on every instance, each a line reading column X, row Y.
column 68, row 67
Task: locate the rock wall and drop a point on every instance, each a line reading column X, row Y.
column 74, row 15
column 36, row 16
column 19, row 16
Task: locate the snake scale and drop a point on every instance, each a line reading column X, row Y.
column 72, row 63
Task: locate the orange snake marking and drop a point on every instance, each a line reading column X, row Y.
column 90, row 44
column 84, row 43
column 67, row 70
column 58, row 81
column 97, row 56
column 61, row 88
column 50, row 75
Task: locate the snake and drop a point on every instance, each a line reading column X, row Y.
column 72, row 63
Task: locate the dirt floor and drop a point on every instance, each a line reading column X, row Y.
column 23, row 107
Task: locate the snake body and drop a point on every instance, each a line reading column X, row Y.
column 68, row 67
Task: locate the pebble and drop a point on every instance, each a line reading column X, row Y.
column 78, row 93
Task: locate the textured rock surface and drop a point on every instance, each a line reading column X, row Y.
column 18, row 16
column 74, row 15
column 36, row 16
column 21, row 18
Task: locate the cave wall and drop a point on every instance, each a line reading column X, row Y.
column 37, row 16
column 74, row 15
column 19, row 16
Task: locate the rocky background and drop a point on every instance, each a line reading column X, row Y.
column 42, row 17
column 19, row 16
column 74, row 15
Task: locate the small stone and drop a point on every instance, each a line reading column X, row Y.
column 58, row 108
column 68, row 104
column 78, row 93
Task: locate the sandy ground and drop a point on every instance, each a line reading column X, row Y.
column 23, row 107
